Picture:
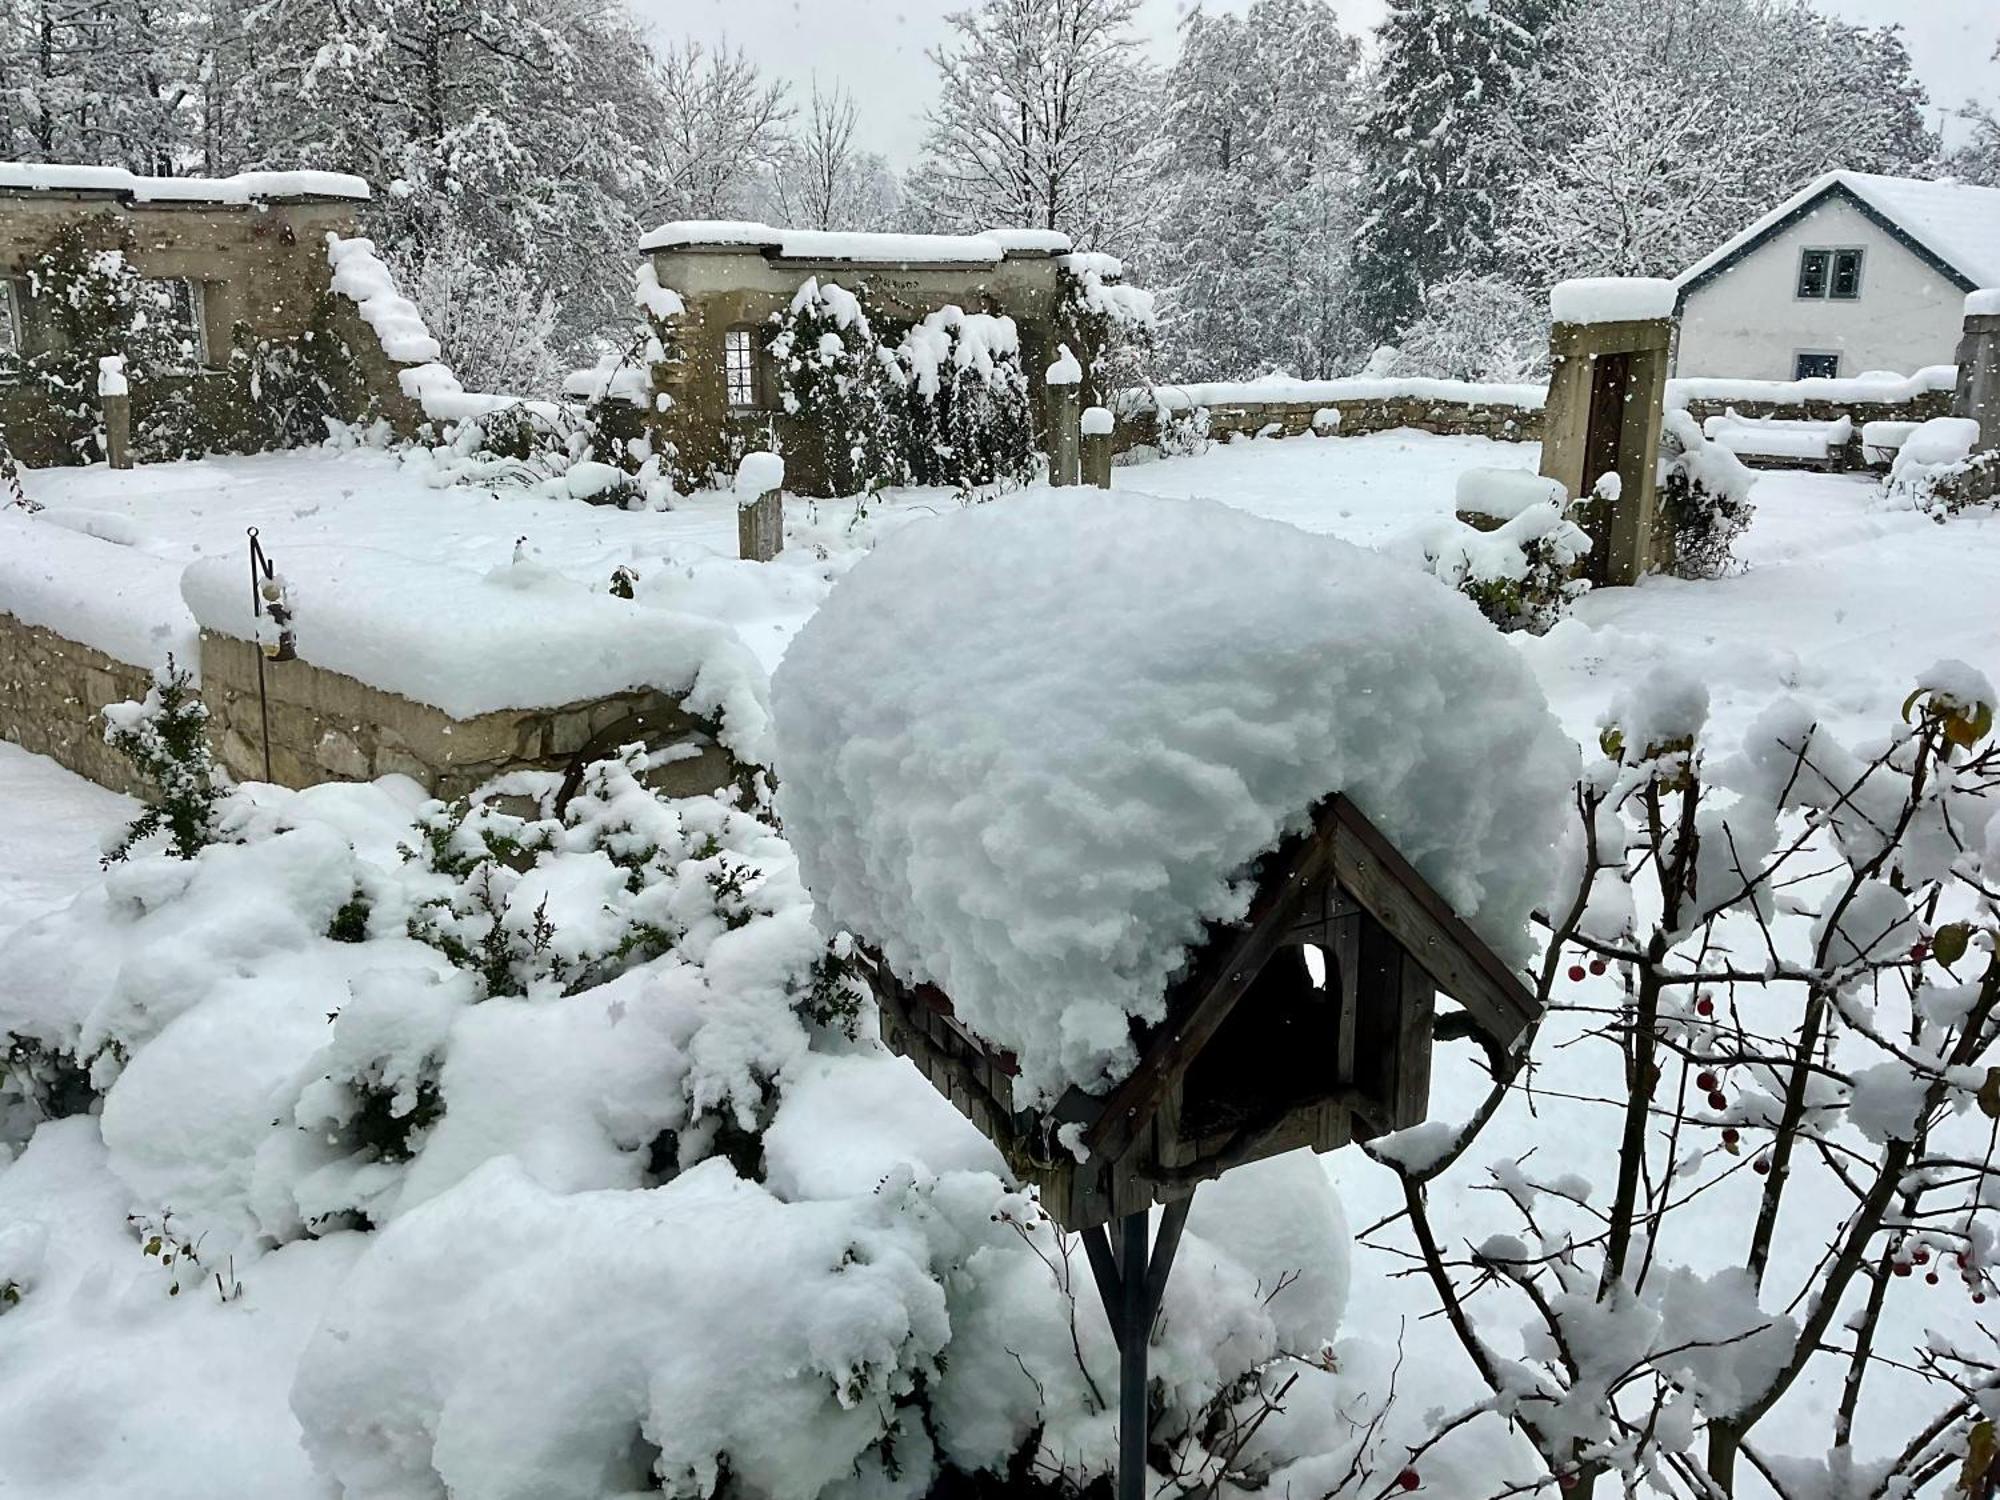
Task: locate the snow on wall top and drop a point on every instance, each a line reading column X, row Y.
column 360, row 276
column 1984, row 303
column 985, row 249
column 244, row 187
column 1120, row 702
column 1286, row 388
column 1958, row 223
column 1874, row 385
column 116, row 599
column 1611, row 299
column 519, row 636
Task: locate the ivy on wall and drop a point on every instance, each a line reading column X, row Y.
column 86, row 300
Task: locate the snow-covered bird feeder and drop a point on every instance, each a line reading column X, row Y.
column 1608, row 356
column 1159, row 841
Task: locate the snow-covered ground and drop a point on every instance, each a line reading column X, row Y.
column 107, row 1385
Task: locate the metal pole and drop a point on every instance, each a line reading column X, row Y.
column 1135, row 1314
column 256, row 610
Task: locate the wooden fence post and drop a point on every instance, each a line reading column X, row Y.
column 760, row 507
column 1097, row 429
column 1065, row 383
column 115, row 396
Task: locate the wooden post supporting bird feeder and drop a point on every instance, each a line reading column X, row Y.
column 1256, row 1055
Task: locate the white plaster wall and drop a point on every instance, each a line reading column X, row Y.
column 1749, row 322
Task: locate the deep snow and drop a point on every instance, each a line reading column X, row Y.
column 107, row 1384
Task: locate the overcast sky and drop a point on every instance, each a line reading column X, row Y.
column 876, row 47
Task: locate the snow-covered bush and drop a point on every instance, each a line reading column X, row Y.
column 165, row 737
column 1937, row 472
column 1789, row 961
column 1517, row 559
column 496, row 327
column 836, row 376
column 1116, row 323
column 1704, row 499
column 1476, row 328
column 969, row 415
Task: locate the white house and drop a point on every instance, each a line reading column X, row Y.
column 1853, row 273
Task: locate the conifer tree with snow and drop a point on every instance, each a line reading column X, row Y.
column 1044, row 115
column 165, row 737
column 1435, row 147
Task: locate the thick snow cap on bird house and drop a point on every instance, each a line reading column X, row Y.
column 1094, row 716
column 1121, row 769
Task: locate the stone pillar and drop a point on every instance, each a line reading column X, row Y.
column 1065, row 386
column 115, row 396
column 1606, row 406
column 760, row 507
column 1097, row 429
column 1978, row 393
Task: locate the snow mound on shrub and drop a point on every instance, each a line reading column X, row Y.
column 1030, row 749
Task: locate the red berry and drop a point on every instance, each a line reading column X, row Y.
column 1718, row 1100
column 1761, row 1165
column 1566, row 1481
column 1704, row 1006
column 1921, row 1256
column 1597, row 966
column 1408, row 1479
column 1919, row 952
column 1575, row 973
column 1979, row 1296
column 1901, row 1268
column 1931, row 1277
column 1708, row 1083
column 1730, row 1136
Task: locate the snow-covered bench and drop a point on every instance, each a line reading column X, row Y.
column 1786, row 441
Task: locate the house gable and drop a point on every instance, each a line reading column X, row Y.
column 1830, row 190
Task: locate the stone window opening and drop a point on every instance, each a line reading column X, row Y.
column 739, row 368
column 183, row 307
column 1810, row 364
column 1829, row 275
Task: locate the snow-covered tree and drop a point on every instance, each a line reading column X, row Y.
column 1258, row 168
column 497, row 327
column 1043, row 117
column 721, row 124
column 1437, row 149
column 823, row 179
column 1477, row 328
column 1661, row 127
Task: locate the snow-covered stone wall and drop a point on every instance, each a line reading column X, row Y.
column 1287, row 408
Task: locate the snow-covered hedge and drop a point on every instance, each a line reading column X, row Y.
column 1704, row 497
column 1119, row 704
column 685, row 1222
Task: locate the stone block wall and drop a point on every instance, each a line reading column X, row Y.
column 1507, row 424
column 52, row 691
column 327, row 726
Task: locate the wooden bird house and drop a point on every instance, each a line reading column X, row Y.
column 1261, row 1049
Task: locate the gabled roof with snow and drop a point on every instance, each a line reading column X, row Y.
column 1951, row 225
column 244, row 187
column 986, row 249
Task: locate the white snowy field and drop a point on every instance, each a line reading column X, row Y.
column 107, row 1384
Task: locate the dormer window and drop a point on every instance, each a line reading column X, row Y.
column 739, row 368
column 1830, row 274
